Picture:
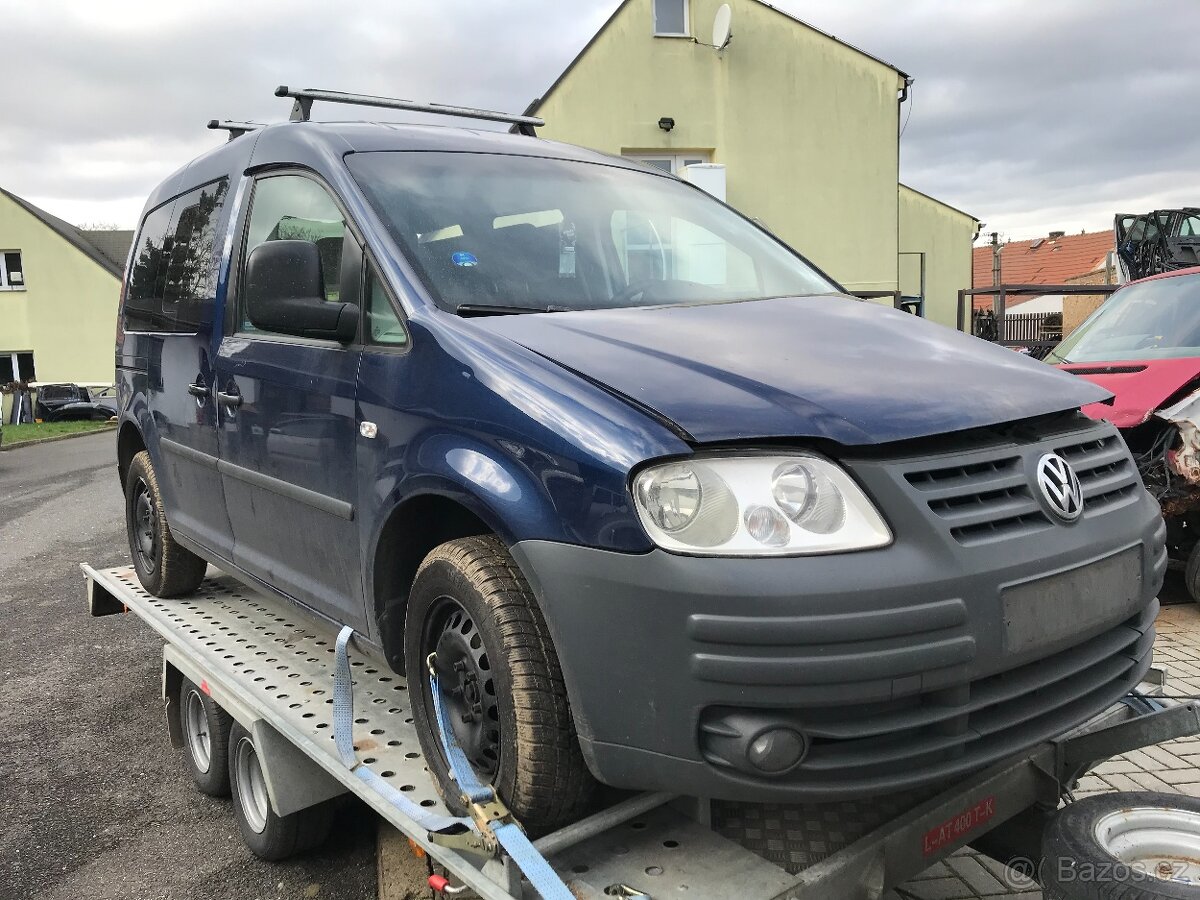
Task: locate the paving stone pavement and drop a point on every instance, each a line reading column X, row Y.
column 1173, row 767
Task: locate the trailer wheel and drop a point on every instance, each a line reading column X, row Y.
column 268, row 835
column 205, row 729
column 1140, row 845
column 507, row 701
column 164, row 568
column 1191, row 574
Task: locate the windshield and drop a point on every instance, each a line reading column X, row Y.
column 1153, row 320
column 529, row 233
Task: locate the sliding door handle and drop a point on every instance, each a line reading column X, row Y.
column 225, row 399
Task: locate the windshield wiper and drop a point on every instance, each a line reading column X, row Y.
column 489, row 309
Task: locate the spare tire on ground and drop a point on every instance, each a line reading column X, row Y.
column 1139, row 845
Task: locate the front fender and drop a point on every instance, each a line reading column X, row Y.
column 501, row 491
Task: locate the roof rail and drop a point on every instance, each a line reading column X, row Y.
column 235, row 129
column 304, row 99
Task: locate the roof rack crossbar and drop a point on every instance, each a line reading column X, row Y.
column 302, row 108
column 235, row 129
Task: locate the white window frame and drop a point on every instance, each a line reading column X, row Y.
column 687, row 21
column 677, row 160
column 5, row 284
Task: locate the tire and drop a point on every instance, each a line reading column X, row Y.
column 470, row 603
column 270, row 836
column 1084, row 860
column 1191, row 573
column 164, row 568
column 205, row 729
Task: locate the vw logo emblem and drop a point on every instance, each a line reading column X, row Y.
column 1060, row 487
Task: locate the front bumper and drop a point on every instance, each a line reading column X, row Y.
column 902, row 666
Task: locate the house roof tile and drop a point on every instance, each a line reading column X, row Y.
column 1052, row 261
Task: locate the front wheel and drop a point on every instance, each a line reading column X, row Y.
column 504, row 690
column 164, row 568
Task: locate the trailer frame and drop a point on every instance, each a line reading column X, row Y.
column 270, row 665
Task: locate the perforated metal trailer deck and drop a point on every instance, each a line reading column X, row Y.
column 270, row 665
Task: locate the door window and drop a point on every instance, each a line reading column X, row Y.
column 296, row 208
column 148, row 274
column 172, row 279
column 385, row 326
column 191, row 280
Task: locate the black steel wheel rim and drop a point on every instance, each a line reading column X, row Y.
column 467, row 682
column 143, row 524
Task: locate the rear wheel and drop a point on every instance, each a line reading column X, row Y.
column 164, row 568
column 503, row 685
column 205, row 729
column 268, row 835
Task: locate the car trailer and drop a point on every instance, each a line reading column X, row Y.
column 273, row 668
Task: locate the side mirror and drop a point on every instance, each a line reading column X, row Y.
column 284, row 293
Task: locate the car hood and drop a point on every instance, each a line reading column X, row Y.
column 819, row 367
column 1139, row 387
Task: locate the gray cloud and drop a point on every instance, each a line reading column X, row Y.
column 1031, row 115
column 1036, row 115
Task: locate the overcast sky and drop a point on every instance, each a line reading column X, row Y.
column 1031, row 115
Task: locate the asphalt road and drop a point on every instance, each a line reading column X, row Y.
column 94, row 802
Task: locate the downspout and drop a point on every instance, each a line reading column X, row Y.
column 907, row 83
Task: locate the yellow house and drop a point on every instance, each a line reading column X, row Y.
column 59, row 288
column 935, row 252
column 806, row 128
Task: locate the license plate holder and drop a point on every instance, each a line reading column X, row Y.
column 1048, row 609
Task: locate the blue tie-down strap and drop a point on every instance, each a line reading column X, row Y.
column 343, row 739
column 1141, row 703
column 489, row 813
column 490, row 820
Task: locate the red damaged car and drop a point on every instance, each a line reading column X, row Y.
column 1143, row 344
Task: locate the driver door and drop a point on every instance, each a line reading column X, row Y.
column 288, row 426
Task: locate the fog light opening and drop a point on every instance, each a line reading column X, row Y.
column 775, row 751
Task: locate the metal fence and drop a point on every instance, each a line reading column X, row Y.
column 1033, row 333
column 1032, row 327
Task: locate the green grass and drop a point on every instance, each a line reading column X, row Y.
column 19, row 434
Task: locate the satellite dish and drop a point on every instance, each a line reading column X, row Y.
column 722, row 27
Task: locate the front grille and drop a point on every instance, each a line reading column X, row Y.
column 969, row 726
column 1106, row 473
column 988, row 495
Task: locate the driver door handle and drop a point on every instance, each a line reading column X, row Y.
column 199, row 390
column 229, row 399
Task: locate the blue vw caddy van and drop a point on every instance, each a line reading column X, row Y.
column 671, row 509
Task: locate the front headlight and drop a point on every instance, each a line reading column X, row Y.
column 756, row 506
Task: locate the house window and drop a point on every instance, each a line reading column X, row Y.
column 673, row 163
column 12, row 272
column 671, row 18
column 16, row 366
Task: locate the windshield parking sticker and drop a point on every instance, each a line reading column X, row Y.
column 465, row 259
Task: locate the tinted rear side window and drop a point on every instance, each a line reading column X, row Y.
column 172, row 283
column 191, row 284
column 148, row 274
